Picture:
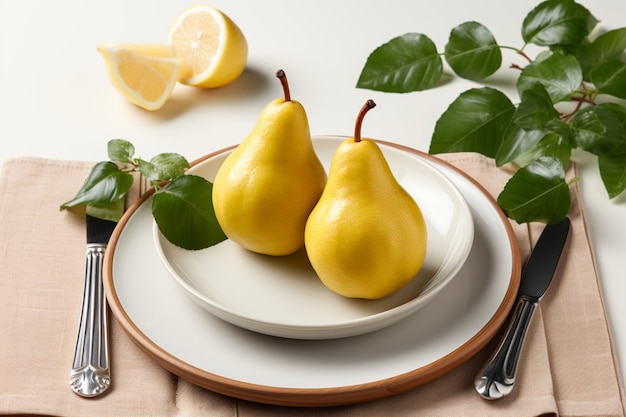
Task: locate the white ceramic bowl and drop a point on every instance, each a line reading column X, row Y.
column 282, row 296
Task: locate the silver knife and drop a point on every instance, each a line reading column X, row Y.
column 496, row 379
column 90, row 375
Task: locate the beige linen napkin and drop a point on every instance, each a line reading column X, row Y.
column 567, row 368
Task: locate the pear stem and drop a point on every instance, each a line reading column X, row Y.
column 283, row 80
column 369, row 104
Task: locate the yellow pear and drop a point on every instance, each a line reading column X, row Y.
column 366, row 237
column 266, row 188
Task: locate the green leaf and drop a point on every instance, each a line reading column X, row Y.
column 112, row 211
column 120, row 150
column 105, row 184
column 619, row 111
column 515, row 142
column 613, row 171
column 562, row 129
column 608, row 46
column 472, row 52
column 599, row 129
column 551, row 145
column 522, row 146
column 406, row 63
column 474, row 122
column 184, row 213
column 164, row 166
column 560, row 75
column 558, row 22
column 610, row 121
column 537, row 192
column 610, row 78
column 535, row 108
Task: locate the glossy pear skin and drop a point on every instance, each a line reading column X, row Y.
column 366, row 237
column 266, row 188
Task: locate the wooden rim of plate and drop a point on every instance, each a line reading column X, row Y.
column 331, row 396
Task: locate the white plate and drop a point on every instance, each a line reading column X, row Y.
column 197, row 346
column 282, row 296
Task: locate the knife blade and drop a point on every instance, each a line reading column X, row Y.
column 497, row 378
column 90, row 375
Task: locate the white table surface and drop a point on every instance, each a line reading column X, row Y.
column 57, row 102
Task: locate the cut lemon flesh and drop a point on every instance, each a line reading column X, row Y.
column 145, row 74
column 213, row 49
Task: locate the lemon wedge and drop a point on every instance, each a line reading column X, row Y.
column 213, row 48
column 145, row 74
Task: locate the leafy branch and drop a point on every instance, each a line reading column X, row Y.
column 182, row 205
column 559, row 106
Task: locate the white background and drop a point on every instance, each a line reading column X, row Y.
column 57, row 102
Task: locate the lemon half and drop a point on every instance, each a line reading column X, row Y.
column 145, row 74
column 213, row 49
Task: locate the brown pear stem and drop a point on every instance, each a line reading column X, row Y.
column 369, row 104
column 283, row 80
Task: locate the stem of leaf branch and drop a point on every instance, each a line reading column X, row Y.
column 519, row 52
column 522, row 53
column 586, row 96
column 566, row 116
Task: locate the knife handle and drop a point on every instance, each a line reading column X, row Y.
column 90, row 375
column 497, row 377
